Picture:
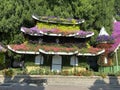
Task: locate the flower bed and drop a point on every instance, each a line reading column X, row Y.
column 90, row 50
column 57, row 31
column 53, row 19
column 105, row 46
column 84, row 34
column 105, row 59
column 105, row 39
column 47, row 48
column 47, row 29
column 116, row 35
column 55, row 49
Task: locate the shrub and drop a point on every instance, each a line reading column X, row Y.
column 2, row 58
column 83, row 73
column 8, row 72
column 65, row 72
column 117, row 73
column 37, row 72
column 47, row 71
column 103, row 75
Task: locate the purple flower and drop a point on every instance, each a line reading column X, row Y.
column 82, row 33
column 116, row 35
column 105, row 38
column 33, row 30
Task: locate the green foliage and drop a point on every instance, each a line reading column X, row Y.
column 117, row 7
column 117, row 17
column 83, row 73
column 93, row 39
column 13, row 14
column 37, row 72
column 61, row 28
column 103, row 75
column 117, row 73
column 30, row 64
column 17, row 57
column 2, row 58
column 8, row 72
column 65, row 72
column 82, row 62
column 41, row 71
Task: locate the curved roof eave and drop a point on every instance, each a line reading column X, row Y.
column 22, row 52
column 58, row 53
column 91, row 54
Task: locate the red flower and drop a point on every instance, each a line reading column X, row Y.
column 93, row 50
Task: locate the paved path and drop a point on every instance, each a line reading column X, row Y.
column 61, row 87
column 64, row 83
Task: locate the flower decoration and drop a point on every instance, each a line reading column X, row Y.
column 84, row 34
column 101, row 61
column 105, row 46
column 105, row 39
column 21, row 47
column 33, row 30
column 54, row 19
column 54, row 48
column 58, row 48
column 58, row 30
column 116, row 35
column 36, row 47
column 91, row 50
column 45, row 28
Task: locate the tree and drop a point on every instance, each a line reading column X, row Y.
column 117, row 9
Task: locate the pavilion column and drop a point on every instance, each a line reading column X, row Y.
column 75, row 63
column 116, row 56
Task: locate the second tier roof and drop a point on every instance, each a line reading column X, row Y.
column 35, row 31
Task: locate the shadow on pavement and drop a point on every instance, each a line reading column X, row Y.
column 23, row 83
column 101, row 84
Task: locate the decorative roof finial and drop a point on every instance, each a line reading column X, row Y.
column 103, row 32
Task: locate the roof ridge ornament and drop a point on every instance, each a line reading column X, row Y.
column 103, row 32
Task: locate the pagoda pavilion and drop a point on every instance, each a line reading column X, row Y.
column 56, row 42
